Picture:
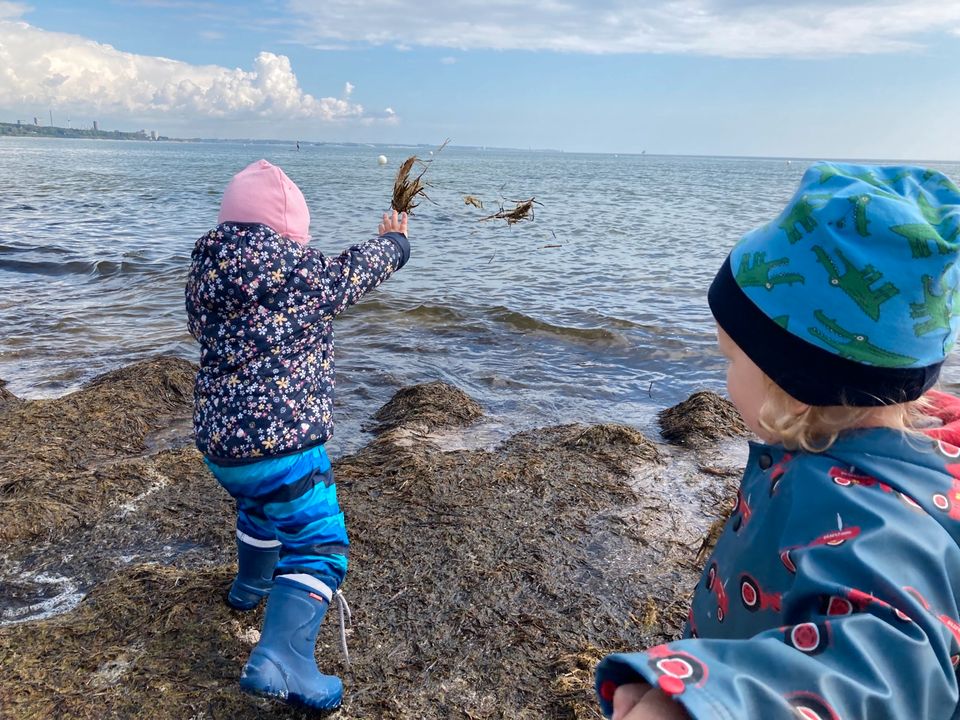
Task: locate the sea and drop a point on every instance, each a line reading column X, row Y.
column 593, row 310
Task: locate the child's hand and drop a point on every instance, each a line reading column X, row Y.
column 397, row 223
column 639, row 701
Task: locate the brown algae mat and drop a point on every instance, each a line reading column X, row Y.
column 5, row 395
column 430, row 405
column 701, row 419
column 483, row 583
column 51, row 450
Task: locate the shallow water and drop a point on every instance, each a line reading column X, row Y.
column 95, row 240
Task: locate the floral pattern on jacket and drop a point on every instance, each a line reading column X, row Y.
column 261, row 307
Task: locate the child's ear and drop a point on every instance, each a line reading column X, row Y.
column 796, row 407
column 800, row 408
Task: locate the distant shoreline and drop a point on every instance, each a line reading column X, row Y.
column 34, row 130
column 49, row 131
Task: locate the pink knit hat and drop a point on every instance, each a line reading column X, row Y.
column 262, row 193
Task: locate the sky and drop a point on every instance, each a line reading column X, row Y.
column 871, row 79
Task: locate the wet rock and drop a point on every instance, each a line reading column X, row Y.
column 429, row 405
column 701, row 419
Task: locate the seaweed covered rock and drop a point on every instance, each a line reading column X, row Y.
column 139, row 646
column 111, row 415
column 5, row 395
column 52, row 452
column 431, row 405
column 617, row 446
column 702, row 418
column 484, row 583
column 166, row 508
column 481, row 586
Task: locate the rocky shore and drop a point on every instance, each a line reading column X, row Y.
column 484, row 583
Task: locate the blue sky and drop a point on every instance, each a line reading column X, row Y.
column 796, row 78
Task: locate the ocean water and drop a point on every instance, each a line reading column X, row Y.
column 95, row 242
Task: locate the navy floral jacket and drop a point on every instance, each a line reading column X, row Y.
column 262, row 308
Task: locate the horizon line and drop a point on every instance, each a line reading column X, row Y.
column 451, row 144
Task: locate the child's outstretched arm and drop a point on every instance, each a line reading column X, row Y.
column 344, row 279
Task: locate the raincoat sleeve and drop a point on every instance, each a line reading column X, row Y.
column 344, row 279
column 872, row 631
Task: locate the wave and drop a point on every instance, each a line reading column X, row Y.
column 527, row 323
column 472, row 318
column 88, row 268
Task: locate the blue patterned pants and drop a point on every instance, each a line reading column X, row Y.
column 291, row 501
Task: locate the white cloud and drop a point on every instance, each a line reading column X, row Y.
column 12, row 10
column 728, row 28
column 348, row 88
column 72, row 73
column 448, row 60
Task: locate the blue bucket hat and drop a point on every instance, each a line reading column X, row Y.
column 852, row 295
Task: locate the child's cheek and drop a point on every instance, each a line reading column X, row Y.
column 745, row 396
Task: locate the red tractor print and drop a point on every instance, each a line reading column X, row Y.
column 834, row 538
column 678, row 665
column 948, row 450
column 756, row 598
column 910, row 502
column 741, row 512
column 717, row 587
column 677, row 670
column 858, row 600
column 949, row 502
column 846, row 478
column 834, row 605
column 777, row 472
column 951, row 624
column 919, row 598
column 811, row 707
column 811, row 638
column 851, row 478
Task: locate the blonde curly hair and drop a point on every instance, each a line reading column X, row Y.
column 815, row 428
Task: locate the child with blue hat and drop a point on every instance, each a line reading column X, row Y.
column 834, row 590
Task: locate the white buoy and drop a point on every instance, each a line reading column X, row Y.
column 382, row 160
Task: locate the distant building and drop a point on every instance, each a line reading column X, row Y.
column 96, row 127
column 35, row 120
column 153, row 134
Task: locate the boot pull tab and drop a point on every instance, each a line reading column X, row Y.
column 345, row 619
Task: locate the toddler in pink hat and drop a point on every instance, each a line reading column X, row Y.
column 261, row 302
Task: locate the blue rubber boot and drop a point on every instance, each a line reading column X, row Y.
column 254, row 575
column 282, row 665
